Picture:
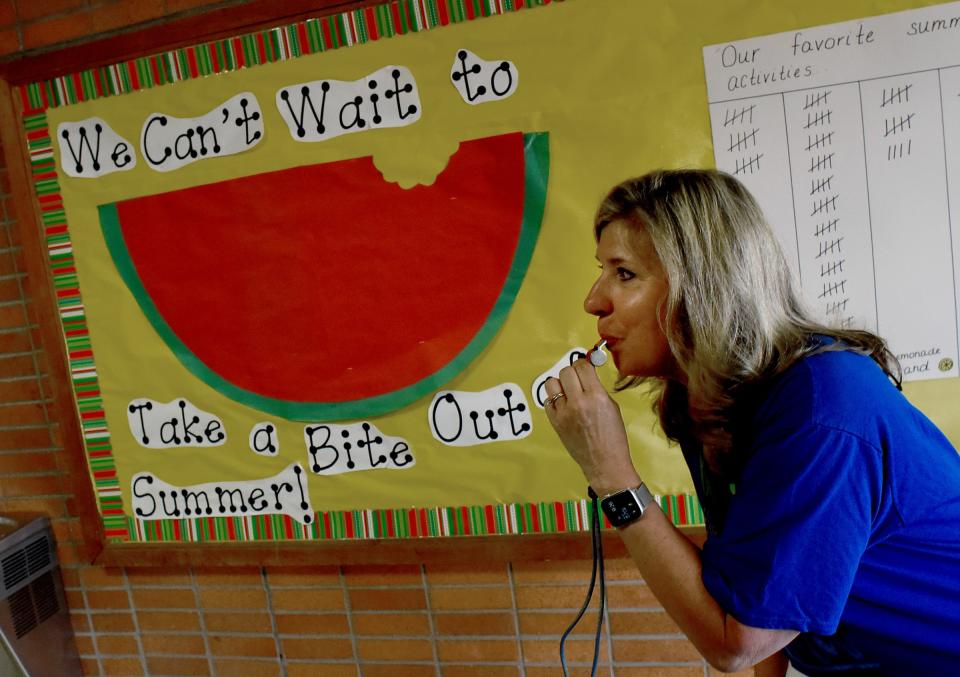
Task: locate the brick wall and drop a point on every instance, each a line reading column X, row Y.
column 484, row 619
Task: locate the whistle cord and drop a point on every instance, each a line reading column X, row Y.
column 597, row 569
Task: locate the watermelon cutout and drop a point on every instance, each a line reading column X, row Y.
column 324, row 292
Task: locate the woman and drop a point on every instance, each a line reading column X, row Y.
column 832, row 505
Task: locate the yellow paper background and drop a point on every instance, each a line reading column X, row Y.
column 619, row 86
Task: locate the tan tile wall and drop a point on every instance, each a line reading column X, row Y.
column 486, row 620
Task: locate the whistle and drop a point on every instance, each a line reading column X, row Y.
column 597, row 357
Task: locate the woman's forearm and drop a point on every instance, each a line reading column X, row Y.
column 670, row 564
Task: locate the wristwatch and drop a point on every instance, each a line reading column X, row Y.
column 627, row 506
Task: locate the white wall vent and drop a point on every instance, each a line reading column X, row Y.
column 36, row 638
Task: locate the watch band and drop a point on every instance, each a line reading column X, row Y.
column 628, row 505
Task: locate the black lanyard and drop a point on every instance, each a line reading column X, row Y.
column 597, row 569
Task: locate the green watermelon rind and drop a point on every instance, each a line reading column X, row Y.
column 536, row 174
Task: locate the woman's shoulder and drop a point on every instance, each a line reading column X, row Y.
column 840, row 368
column 831, row 388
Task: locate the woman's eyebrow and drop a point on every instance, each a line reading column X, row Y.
column 617, row 261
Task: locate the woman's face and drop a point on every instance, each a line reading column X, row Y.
column 629, row 299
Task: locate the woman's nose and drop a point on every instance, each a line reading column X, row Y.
column 596, row 302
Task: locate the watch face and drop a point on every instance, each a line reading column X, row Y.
column 621, row 508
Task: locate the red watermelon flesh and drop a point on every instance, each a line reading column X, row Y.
column 326, row 283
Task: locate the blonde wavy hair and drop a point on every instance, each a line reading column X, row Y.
column 733, row 316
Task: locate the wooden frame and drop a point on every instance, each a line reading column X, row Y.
column 212, row 25
column 51, row 335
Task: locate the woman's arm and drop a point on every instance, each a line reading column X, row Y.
column 590, row 426
column 774, row 666
column 670, row 564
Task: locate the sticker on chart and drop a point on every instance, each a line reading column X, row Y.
column 168, row 143
column 460, row 419
column 325, row 109
column 174, row 424
column 263, row 439
column 480, row 81
column 282, row 494
column 90, row 148
column 333, row 449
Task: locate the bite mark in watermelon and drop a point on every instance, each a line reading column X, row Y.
column 324, row 292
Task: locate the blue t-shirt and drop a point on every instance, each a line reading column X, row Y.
column 846, row 515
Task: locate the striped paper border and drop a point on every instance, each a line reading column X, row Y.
column 398, row 17
column 478, row 520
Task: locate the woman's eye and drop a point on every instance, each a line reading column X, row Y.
column 624, row 274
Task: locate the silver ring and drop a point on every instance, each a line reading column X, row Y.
column 553, row 399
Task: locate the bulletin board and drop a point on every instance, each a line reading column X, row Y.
column 311, row 279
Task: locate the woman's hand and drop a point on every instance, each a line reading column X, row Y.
column 590, row 426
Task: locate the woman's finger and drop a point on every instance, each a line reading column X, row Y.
column 587, row 375
column 553, row 392
column 570, row 382
column 551, row 387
